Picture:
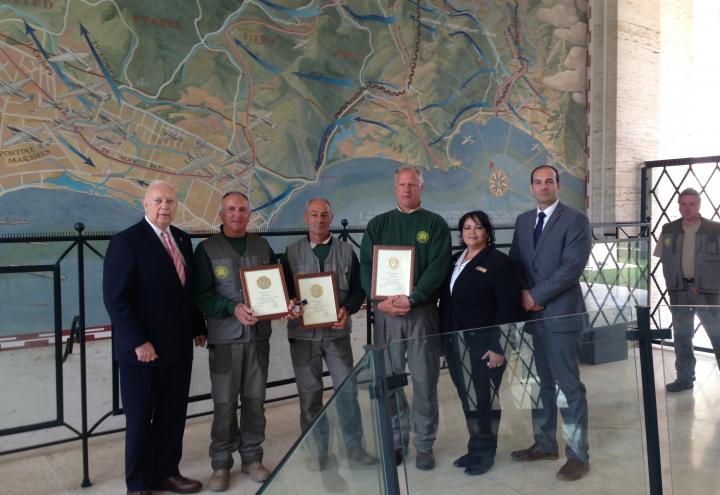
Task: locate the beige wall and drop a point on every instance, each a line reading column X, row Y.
column 653, row 80
column 624, row 100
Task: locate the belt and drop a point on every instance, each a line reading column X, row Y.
column 689, row 280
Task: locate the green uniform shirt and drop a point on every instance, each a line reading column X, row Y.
column 207, row 299
column 425, row 230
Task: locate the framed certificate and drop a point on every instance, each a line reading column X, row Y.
column 265, row 291
column 320, row 292
column 393, row 271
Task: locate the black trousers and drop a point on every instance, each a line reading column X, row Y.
column 155, row 402
column 478, row 387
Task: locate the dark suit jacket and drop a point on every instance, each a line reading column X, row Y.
column 482, row 298
column 145, row 299
column 552, row 270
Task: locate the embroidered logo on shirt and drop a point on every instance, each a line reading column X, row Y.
column 221, row 272
column 481, row 268
column 422, row 237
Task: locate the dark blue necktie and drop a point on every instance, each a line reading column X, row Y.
column 538, row 227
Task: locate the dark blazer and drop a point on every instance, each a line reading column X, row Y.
column 487, row 292
column 145, row 299
column 552, row 270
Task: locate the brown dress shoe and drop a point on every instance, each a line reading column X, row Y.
column 177, row 484
column 533, row 454
column 573, row 470
column 256, row 471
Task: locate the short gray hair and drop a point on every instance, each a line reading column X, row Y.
column 689, row 192
column 233, row 193
column 326, row 201
column 410, row 168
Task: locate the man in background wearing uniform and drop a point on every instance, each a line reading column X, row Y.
column 689, row 250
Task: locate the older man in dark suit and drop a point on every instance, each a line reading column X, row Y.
column 147, row 288
column 551, row 245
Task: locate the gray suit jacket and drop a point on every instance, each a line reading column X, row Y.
column 552, row 270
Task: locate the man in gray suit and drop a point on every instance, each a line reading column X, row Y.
column 551, row 245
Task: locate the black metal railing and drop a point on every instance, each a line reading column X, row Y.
column 661, row 184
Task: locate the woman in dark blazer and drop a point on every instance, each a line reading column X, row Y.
column 481, row 291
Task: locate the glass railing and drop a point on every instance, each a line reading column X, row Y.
column 689, row 392
column 340, row 452
column 452, row 400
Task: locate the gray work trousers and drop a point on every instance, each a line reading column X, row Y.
column 238, row 370
column 683, row 319
column 307, row 359
column 412, row 340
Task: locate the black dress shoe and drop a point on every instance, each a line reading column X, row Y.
column 479, row 465
column 462, row 461
column 139, row 492
column 398, row 456
column 679, row 385
column 177, row 484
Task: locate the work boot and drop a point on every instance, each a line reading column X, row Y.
column 256, row 471
column 219, row 480
column 360, row 455
column 425, row 460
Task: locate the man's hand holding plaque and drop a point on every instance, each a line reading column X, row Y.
column 265, row 292
column 319, row 292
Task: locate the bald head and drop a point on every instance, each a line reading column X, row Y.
column 160, row 203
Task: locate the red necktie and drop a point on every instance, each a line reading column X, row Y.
column 177, row 259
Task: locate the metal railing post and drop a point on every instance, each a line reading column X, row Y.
column 379, row 392
column 80, row 227
column 644, row 337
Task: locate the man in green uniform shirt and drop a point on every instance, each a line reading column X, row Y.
column 321, row 252
column 237, row 342
column 411, row 317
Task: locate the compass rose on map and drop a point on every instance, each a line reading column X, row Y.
column 498, row 183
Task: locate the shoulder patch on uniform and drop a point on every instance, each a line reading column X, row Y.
column 221, row 272
column 667, row 241
column 422, row 236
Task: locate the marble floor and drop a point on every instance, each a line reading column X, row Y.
column 689, row 435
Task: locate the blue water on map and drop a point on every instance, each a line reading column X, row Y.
column 360, row 188
column 27, row 299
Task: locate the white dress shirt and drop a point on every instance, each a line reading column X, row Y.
column 459, row 267
column 548, row 211
column 158, row 232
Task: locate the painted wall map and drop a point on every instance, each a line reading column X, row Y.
column 284, row 100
